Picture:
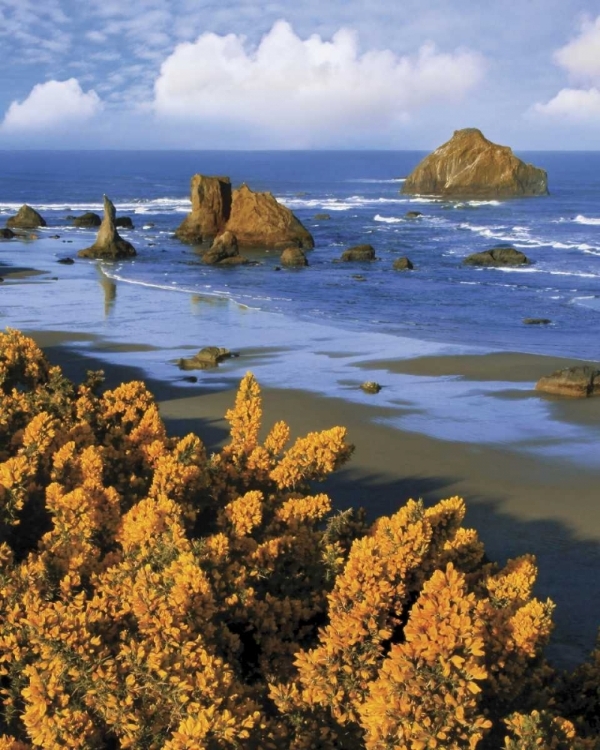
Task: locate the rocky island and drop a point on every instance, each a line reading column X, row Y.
column 252, row 219
column 470, row 166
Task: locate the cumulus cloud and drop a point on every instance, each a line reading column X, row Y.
column 51, row 106
column 581, row 105
column 300, row 90
column 581, row 59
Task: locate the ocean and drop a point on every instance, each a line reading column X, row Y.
column 319, row 327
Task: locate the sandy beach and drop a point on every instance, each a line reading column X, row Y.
column 519, row 502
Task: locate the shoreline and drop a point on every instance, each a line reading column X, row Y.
column 518, row 501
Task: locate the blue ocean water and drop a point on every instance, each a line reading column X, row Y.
column 441, row 300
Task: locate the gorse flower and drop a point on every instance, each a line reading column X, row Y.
column 154, row 597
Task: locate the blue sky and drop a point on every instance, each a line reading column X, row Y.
column 303, row 74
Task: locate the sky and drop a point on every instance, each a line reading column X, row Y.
column 308, row 74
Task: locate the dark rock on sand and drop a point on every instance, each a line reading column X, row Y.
column 497, row 256
column 370, row 386
column 402, row 264
column 537, row 321
column 358, row 253
column 109, row 244
column 88, row 219
column 579, row 381
column 470, row 166
column 26, row 218
column 293, row 256
column 211, row 206
column 66, row 261
column 412, row 214
column 6, row 234
column 207, row 358
column 322, row 217
column 258, row 220
column 124, row 222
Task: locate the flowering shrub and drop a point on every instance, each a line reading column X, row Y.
column 153, row 596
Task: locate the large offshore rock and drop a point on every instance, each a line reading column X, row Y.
column 579, row 381
column 211, row 206
column 497, row 256
column 258, row 220
column 470, row 166
column 109, row 244
column 26, row 218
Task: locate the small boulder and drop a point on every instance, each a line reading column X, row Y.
column 124, row 222
column 358, row 253
column 109, row 244
column 580, row 381
column 66, row 261
column 6, row 234
column 402, row 264
column 211, row 206
column 537, row 321
column 205, row 359
column 322, row 217
column 412, row 214
column 359, row 277
column 224, row 252
column 293, row 256
column 88, row 219
column 370, row 386
column 497, row 256
column 26, row 218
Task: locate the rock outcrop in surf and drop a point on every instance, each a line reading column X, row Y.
column 497, row 256
column 257, row 219
column 470, row 166
column 26, row 218
column 109, row 244
column 211, row 206
column 579, row 381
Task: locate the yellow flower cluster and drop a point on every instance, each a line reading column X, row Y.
column 153, row 597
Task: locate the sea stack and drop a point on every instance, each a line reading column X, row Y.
column 211, row 206
column 258, row 220
column 470, row 166
column 109, row 244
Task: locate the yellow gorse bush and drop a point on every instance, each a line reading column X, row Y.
column 152, row 596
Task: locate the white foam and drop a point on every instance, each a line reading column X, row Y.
column 151, row 206
column 388, row 219
column 580, row 219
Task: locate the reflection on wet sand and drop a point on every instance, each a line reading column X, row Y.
column 110, row 290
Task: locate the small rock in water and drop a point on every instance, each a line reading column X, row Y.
column 412, row 214
column 190, row 379
column 580, row 381
column 322, row 217
column 359, row 277
column 66, row 261
column 403, row 264
column 210, row 356
column 54, row 237
column 370, row 386
column 358, row 253
column 537, row 321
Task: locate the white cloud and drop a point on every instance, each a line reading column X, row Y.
column 301, row 90
column 50, row 106
column 581, row 57
column 579, row 105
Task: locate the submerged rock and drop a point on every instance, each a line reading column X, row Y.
column 211, row 206
column 412, row 214
column 322, row 217
column 258, row 220
column 537, row 321
column 6, row 234
column 470, row 166
column 293, row 256
column 579, row 381
column 88, row 219
column 358, row 253
column 403, row 264
column 109, row 244
column 207, row 358
column 497, row 256
column 66, row 261
column 26, row 218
